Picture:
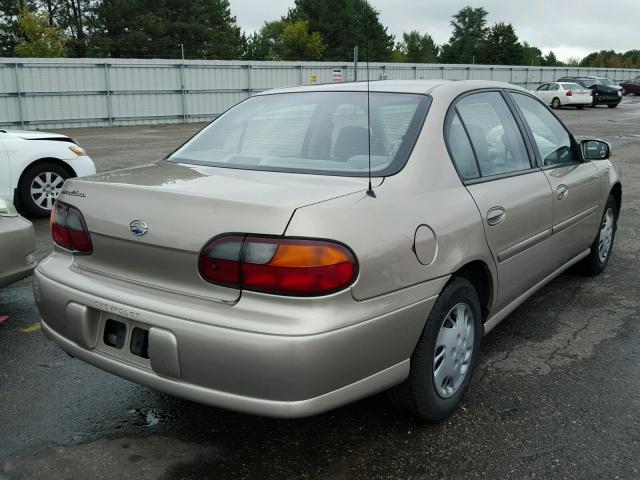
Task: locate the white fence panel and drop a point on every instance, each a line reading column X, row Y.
column 58, row 93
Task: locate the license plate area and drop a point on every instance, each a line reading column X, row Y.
column 124, row 339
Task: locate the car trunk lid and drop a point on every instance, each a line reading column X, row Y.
column 182, row 208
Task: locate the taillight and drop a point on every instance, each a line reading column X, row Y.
column 569, row 93
column 69, row 229
column 590, row 93
column 284, row 266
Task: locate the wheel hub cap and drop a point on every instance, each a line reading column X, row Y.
column 453, row 350
column 45, row 188
column 606, row 235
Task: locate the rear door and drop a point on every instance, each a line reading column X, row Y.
column 554, row 92
column 512, row 194
column 543, row 92
column 575, row 184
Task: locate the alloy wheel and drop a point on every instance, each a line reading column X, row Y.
column 45, row 188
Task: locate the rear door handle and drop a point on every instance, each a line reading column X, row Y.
column 562, row 192
column 496, row 216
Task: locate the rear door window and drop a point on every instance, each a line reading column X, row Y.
column 461, row 150
column 496, row 139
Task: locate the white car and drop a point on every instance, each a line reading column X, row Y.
column 35, row 165
column 564, row 94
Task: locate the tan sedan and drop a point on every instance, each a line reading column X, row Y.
column 315, row 245
column 17, row 245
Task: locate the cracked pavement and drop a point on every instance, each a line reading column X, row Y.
column 556, row 395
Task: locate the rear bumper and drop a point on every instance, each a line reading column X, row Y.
column 253, row 372
column 18, row 242
column 575, row 100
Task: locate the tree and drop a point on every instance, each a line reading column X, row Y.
column 417, row 48
column 40, row 39
column 299, row 44
column 9, row 31
column 550, row 60
column 501, row 46
column 572, row 62
column 531, row 55
column 206, row 28
column 467, row 39
column 344, row 24
column 71, row 17
column 612, row 59
column 283, row 40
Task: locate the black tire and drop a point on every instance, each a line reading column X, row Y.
column 612, row 105
column 555, row 104
column 594, row 263
column 27, row 200
column 417, row 395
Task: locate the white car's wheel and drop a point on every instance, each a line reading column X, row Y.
column 555, row 104
column 39, row 187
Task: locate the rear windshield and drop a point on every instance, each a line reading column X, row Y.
column 312, row 132
column 571, row 86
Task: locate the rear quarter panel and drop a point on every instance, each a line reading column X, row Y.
column 381, row 230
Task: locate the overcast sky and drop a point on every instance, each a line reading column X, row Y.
column 571, row 28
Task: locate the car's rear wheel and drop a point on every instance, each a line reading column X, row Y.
column 445, row 357
column 39, row 187
column 555, row 103
column 601, row 247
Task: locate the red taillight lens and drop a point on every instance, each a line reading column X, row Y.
column 220, row 261
column 569, row 93
column 69, row 229
column 284, row 266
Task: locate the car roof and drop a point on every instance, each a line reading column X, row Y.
column 399, row 86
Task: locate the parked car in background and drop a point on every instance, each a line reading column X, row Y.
column 602, row 94
column 608, row 82
column 17, row 245
column 35, row 165
column 295, row 255
column 564, row 94
column 631, row 86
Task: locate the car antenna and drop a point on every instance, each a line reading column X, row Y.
column 370, row 191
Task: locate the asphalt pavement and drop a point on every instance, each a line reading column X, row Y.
column 556, row 395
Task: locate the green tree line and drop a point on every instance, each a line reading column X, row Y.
column 310, row 30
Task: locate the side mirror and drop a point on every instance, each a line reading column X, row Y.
column 595, row 150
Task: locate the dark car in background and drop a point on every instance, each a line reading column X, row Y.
column 602, row 94
column 631, row 86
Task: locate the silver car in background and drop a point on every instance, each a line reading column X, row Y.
column 315, row 245
column 17, row 245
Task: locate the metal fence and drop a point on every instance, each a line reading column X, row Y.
column 61, row 93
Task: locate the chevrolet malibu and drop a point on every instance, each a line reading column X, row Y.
column 316, row 245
